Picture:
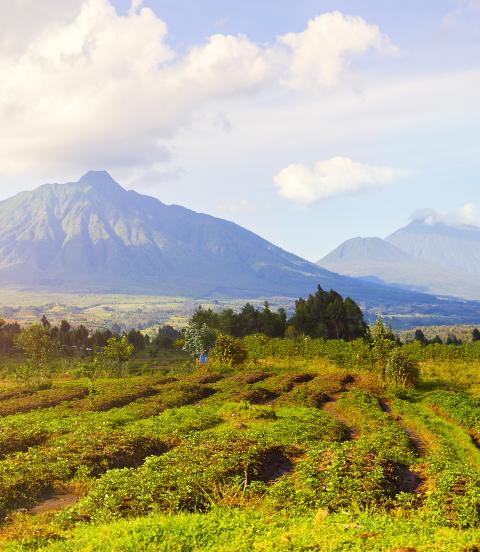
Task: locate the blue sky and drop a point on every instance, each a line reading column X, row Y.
column 307, row 140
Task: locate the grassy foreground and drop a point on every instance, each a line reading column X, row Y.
column 277, row 455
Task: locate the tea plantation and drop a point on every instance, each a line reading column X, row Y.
column 294, row 449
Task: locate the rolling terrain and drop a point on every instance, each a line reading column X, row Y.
column 288, row 454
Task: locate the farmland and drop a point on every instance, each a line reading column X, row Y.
column 289, row 451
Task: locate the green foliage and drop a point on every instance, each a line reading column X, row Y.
column 216, row 460
column 38, row 348
column 229, row 350
column 248, row 321
column 118, row 352
column 91, row 370
column 401, row 369
column 322, row 315
column 306, row 450
column 327, row 315
column 198, row 339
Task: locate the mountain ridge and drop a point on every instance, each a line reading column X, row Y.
column 92, row 237
column 62, row 219
column 423, row 256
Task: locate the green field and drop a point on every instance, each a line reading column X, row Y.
column 282, row 453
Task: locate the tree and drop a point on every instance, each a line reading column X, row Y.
column 380, row 330
column 8, row 332
column 65, row 327
column 383, row 343
column 327, row 315
column 165, row 338
column 229, row 350
column 91, row 370
column 80, row 336
column 198, row 339
column 355, row 326
column 452, row 339
column 44, row 322
column 137, row 339
column 420, row 336
column 100, row 338
column 248, row 321
column 118, row 352
column 476, row 335
column 273, row 324
column 38, row 348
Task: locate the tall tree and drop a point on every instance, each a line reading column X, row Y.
column 327, row 315
column 420, row 336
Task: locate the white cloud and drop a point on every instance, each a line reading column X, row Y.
column 467, row 215
column 97, row 89
column 320, row 54
column 21, row 21
column 330, row 178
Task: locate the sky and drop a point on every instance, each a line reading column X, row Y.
column 307, row 122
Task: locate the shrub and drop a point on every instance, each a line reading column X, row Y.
column 229, row 350
column 401, row 369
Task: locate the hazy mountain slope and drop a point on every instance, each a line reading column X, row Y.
column 92, row 235
column 379, row 260
column 455, row 248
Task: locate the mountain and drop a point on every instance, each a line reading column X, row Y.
column 425, row 256
column 93, row 236
column 455, row 248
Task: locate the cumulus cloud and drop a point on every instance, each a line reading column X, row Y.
column 99, row 89
column 320, row 54
column 330, row 178
column 467, row 215
column 22, row 21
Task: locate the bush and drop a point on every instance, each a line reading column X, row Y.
column 229, row 350
column 401, row 369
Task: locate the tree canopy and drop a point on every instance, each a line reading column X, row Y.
column 323, row 314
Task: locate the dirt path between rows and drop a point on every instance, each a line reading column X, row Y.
column 348, row 384
column 55, row 503
column 418, row 443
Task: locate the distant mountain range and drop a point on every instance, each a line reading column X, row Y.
column 426, row 256
column 93, row 236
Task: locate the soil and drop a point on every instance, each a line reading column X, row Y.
column 54, row 503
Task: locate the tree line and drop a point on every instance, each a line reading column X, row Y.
column 451, row 338
column 78, row 339
column 324, row 314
